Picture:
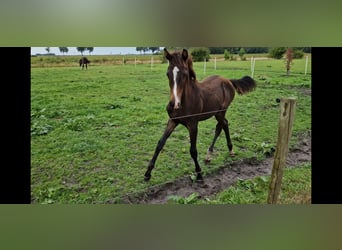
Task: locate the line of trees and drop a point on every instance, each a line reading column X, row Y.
column 252, row 50
column 90, row 49
column 145, row 49
column 66, row 50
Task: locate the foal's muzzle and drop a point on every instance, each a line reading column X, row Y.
column 174, row 105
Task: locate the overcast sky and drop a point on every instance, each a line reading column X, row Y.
column 96, row 51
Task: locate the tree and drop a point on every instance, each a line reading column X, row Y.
column 277, row 53
column 63, row 49
column 242, row 52
column 226, row 54
column 233, row 50
column 200, row 54
column 90, row 49
column 81, row 49
column 216, row 50
column 298, row 53
column 143, row 49
column 256, row 50
column 153, row 49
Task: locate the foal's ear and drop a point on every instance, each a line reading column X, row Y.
column 167, row 54
column 185, row 54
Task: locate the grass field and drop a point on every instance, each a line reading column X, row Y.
column 94, row 131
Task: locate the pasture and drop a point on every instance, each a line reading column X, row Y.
column 94, row 131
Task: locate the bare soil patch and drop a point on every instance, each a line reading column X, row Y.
column 221, row 179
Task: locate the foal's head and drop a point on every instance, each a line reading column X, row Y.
column 178, row 73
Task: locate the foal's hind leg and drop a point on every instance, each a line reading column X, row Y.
column 211, row 148
column 229, row 142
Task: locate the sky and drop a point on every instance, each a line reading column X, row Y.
column 96, row 51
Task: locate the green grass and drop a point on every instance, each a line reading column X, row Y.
column 94, row 131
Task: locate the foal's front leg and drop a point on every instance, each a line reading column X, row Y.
column 193, row 130
column 171, row 125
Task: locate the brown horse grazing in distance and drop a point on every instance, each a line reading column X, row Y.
column 192, row 101
column 84, row 62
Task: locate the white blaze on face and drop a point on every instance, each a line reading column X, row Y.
column 177, row 100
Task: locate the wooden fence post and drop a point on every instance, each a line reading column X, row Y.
column 287, row 113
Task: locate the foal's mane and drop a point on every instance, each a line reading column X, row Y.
column 191, row 69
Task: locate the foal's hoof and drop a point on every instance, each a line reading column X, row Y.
column 199, row 181
column 196, row 178
column 231, row 153
column 199, row 178
column 147, row 177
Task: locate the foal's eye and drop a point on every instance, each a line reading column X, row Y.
column 185, row 73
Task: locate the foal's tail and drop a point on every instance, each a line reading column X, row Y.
column 244, row 85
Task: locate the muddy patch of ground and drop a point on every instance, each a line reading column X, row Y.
column 220, row 180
